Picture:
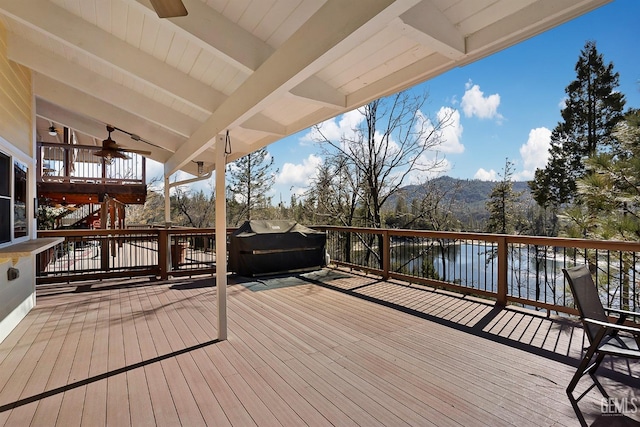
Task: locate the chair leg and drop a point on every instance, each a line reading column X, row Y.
column 582, row 369
column 576, row 409
column 592, row 374
column 587, row 367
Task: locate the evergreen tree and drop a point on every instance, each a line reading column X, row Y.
column 592, row 109
column 611, row 202
column 503, row 203
column 611, row 189
column 251, row 177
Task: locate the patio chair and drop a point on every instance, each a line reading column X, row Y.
column 605, row 338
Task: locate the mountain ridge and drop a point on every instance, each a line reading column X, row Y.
column 471, row 198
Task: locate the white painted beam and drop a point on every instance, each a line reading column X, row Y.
column 263, row 123
column 527, row 22
column 215, row 33
column 426, row 24
column 56, row 22
column 294, row 62
column 72, row 99
column 402, row 79
column 55, row 67
column 83, row 124
column 221, row 238
column 320, row 92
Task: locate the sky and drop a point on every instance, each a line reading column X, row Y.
column 503, row 106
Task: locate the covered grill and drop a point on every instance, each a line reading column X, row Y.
column 261, row 247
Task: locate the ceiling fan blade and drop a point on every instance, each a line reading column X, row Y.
column 130, row 150
column 111, row 154
column 169, row 8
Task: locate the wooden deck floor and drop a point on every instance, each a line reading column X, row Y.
column 325, row 348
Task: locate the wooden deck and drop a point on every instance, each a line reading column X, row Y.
column 324, row 348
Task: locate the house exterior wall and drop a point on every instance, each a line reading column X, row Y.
column 17, row 297
column 17, row 129
column 16, row 102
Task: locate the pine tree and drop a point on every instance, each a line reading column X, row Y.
column 251, row 177
column 611, row 189
column 502, row 204
column 611, row 202
column 592, row 109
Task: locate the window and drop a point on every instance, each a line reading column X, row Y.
column 14, row 221
column 20, row 221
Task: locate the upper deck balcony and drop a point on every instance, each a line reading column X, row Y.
column 73, row 174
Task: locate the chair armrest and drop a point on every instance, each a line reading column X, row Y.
column 614, row 326
column 623, row 312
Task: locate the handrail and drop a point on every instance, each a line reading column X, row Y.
column 522, row 270
column 105, row 253
column 71, row 163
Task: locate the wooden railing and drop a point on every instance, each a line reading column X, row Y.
column 65, row 163
column 521, row 270
column 99, row 254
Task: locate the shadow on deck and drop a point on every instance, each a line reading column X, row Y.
column 323, row 348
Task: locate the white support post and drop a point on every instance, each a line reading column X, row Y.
column 221, row 238
column 167, row 202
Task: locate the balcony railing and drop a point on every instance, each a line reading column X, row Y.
column 519, row 270
column 64, row 163
column 510, row 269
column 100, row 254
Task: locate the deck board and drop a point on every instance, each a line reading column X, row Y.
column 326, row 348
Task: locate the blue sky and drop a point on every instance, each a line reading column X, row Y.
column 506, row 105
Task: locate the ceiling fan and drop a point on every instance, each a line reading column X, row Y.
column 111, row 150
column 169, row 8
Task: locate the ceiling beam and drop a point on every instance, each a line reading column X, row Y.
column 71, row 99
column 295, row 61
column 262, row 123
column 526, row 22
column 44, row 62
column 215, row 33
column 80, row 123
column 402, row 79
column 318, row 91
column 244, row 51
column 56, row 22
column 426, row 24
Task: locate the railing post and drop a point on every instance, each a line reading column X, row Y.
column 163, row 259
column 502, row 271
column 386, row 254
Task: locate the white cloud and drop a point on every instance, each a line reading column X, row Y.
column 335, row 129
column 299, row 174
column 535, row 153
column 451, row 132
column 484, row 175
column 474, row 103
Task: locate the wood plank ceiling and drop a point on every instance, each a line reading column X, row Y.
column 261, row 69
